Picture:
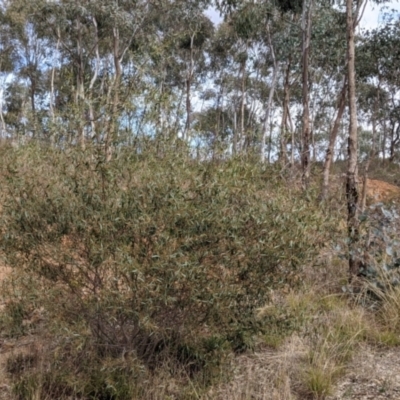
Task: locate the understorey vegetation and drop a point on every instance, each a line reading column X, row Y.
column 150, row 275
column 144, row 262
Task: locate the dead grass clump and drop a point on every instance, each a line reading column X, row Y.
column 264, row 375
column 331, row 347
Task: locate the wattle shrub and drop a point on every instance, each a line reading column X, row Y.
column 163, row 258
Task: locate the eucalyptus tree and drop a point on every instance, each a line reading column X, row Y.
column 66, row 29
column 179, row 57
column 352, row 16
column 217, row 123
column 257, row 26
column 287, row 43
column 244, row 25
column 306, row 21
column 90, row 45
column 123, row 22
column 330, row 76
column 240, row 66
column 379, row 73
column 30, row 53
column 197, row 29
column 16, row 109
column 8, row 60
column 275, row 32
column 351, row 182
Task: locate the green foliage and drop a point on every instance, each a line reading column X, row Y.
column 164, row 259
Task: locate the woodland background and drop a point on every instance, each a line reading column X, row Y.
column 185, row 207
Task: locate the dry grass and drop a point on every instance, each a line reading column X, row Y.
column 266, row 375
column 309, row 362
column 332, row 334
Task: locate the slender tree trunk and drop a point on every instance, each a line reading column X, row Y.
column 330, row 151
column 235, row 133
column 178, row 115
column 391, row 145
column 32, row 91
column 242, row 101
column 80, row 88
column 116, row 85
column 394, row 140
column 115, row 88
column 270, row 142
column 384, row 142
column 305, row 148
column 93, row 81
column 351, row 183
column 3, row 124
column 270, row 97
column 285, row 108
column 372, row 152
column 52, row 102
column 32, row 94
column 188, row 89
column 283, row 157
column 292, row 138
column 220, row 110
column 339, row 115
column 53, row 72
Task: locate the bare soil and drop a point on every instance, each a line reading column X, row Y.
column 378, row 191
column 373, row 374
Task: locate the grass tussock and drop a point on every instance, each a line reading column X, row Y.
column 384, row 301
